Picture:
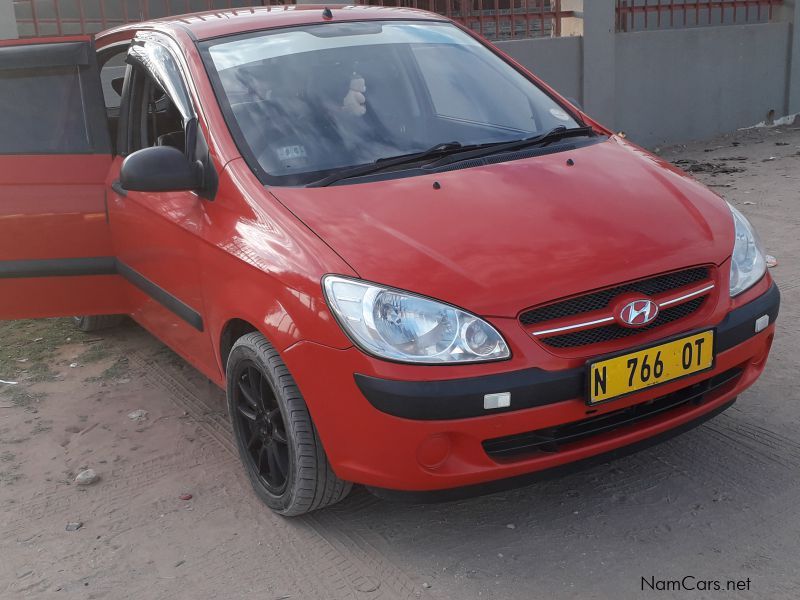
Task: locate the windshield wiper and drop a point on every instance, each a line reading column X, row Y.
column 452, row 152
column 555, row 134
column 441, row 149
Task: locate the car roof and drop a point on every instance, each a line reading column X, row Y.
column 216, row 23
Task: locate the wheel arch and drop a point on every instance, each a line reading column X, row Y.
column 284, row 319
column 231, row 331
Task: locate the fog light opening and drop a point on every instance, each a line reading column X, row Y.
column 434, row 451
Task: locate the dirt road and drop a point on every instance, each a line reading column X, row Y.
column 721, row 502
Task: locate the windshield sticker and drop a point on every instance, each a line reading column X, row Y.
column 290, row 152
column 292, row 156
column 559, row 114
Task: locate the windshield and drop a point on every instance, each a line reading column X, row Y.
column 305, row 102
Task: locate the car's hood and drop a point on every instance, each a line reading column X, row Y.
column 497, row 239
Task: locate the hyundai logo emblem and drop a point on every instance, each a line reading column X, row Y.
column 638, row 313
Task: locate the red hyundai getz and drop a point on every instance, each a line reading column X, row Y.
column 412, row 264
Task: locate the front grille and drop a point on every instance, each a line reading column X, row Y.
column 599, row 300
column 555, row 439
column 607, row 333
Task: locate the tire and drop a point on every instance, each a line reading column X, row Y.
column 97, row 322
column 276, row 438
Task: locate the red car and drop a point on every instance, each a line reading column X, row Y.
column 411, row 264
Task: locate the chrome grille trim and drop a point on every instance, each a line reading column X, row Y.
column 577, row 322
column 683, row 298
column 576, row 326
column 687, row 296
column 598, row 300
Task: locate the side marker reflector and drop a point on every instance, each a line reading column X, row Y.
column 501, row 400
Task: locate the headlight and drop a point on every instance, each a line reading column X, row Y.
column 748, row 263
column 401, row 326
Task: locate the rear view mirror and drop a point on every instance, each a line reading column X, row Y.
column 158, row 169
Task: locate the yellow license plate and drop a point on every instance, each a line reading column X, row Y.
column 622, row 375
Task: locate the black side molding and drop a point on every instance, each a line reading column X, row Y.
column 463, row 398
column 100, row 265
column 162, row 296
column 491, row 487
column 58, row 267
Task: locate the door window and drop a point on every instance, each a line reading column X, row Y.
column 112, row 74
column 161, row 112
column 43, row 112
column 49, row 107
column 112, row 77
column 163, row 124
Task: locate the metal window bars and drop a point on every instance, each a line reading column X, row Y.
column 633, row 15
column 494, row 19
column 72, row 17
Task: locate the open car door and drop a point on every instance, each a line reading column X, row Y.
column 56, row 255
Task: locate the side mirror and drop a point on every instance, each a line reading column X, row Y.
column 158, row 169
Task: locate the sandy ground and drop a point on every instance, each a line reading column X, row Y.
column 720, row 502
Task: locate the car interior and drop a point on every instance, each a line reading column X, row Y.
column 164, row 124
column 161, row 123
column 296, row 123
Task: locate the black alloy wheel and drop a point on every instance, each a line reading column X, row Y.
column 277, row 440
column 261, row 425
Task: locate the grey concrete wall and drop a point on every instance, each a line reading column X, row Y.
column 599, row 70
column 689, row 84
column 8, row 21
column 790, row 12
column 558, row 61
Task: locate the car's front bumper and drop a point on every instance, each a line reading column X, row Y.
column 422, row 436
